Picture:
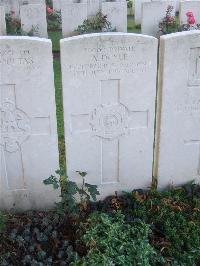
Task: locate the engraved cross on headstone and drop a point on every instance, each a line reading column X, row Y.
column 109, row 121
column 16, row 127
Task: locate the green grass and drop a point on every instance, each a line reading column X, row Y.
column 59, row 112
column 55, row 36
column 131, row 25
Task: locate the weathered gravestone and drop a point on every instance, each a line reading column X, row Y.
column 109, row 89
column 2, row 21
column 178, row 122
column 11, row 6
column 33, row 18
column 138, row 10
column 189, row 6
column 116, row 14
column 73, row 15
column 28, row 140
column 93, row 7
column 152, row 14
column 26, row 2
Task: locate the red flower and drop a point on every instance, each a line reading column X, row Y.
column 189, row 14
column 191, row 20
column 49, row 10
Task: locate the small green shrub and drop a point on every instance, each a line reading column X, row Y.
column 98, row 23
column 53, row 19
column 71, row 192
column 111, row 241
column 174, row 216
column 168, row 23
column 13, row 26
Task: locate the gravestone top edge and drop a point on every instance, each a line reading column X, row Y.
column 23, row 38
column 180, row 34
column 111, row 34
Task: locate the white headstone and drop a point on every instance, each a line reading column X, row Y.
column 56, row 5
column 73, row 15
column 109, row 90
column 152, row 14
column 34, row 17
column 93, row 7
column 26, row 2
column 28, row 141
column 189, row 6
column 138, row 10
column 116, row 14
column 178, row 127
column 2, row 21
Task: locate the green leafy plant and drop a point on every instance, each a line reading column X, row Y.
column 168, row 23
column 53, row 19
column 2, row 221
column 71, row 193
column 112, row 241
column 174, row 216
column 98, row 23
column 36, row 238
column 13, row 26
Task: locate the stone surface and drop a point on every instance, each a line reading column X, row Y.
column 138, row 10
column 152, row 14
column 178, row 127
column 29, row 146
column 2, row 21
column 11, row 6
column 34, row 16
column 192, row 6
column 109, row 90
column 117, row 14
column 73, row 15
column 93, row 7
column 26, row 2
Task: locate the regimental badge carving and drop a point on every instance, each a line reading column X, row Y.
column 15, row 127
column 110, row 121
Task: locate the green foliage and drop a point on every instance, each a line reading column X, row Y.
column 98, row 23
column 71, row 192
column 175, row 219
column 2, row 221
column 111, row 241
column 36, row 239
column 54, row 20
column 13, row 26
column 169, row 23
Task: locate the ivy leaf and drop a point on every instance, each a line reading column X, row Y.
column 83, row 174
column 92, row 189
column 52, row 180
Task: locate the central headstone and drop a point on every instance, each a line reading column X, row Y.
column 33, row 18
column 109, row 90
column 28, row 133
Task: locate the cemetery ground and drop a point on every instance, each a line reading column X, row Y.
column 143, row 227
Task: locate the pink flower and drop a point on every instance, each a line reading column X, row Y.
column 189, row 14
column 191, row 18
column 49, row 10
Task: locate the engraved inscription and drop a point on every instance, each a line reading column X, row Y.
column 15, row 127
column 113, row 59
column 109, row 121
column 194, row 67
